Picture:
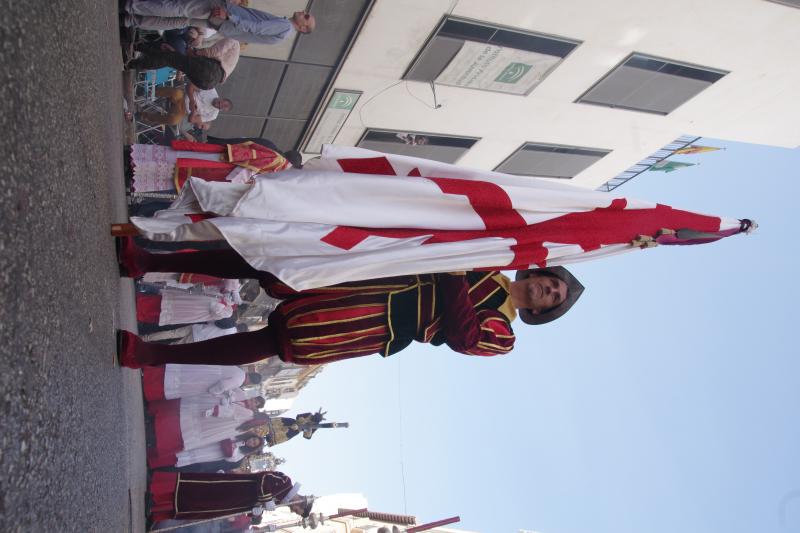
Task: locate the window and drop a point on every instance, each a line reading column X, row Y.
column 643, row 83
column 429, row 146
column 477, row 55
column 791, row 3
column 550, row 161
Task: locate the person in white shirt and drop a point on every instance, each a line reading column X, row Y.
column 182, row 381
column 199, row 106
column 204, row 106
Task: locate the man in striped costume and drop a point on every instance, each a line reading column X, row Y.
column 470, row 312
column 197, row 496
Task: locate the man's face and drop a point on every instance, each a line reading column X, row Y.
column 541, row 293
column 253, row 442
column 304, row 22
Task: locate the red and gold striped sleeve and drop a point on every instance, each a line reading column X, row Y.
column 467, row 330
column 495, row 337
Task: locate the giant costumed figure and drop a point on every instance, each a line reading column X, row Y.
column 369, row 252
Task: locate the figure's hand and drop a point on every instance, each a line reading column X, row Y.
column 167, row 48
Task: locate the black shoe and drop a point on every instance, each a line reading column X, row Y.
column 119, row 347
column 127, row 167
column 148, row 505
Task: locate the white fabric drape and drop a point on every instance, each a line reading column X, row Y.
column 279, row 222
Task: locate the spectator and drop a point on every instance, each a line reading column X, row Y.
column 204, row 106
column 231, row 20
column 175, row 106
column 200, row 107
column 206, row 68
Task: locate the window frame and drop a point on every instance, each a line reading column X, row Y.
column 632, row 55
column 367, row 130
column 787, row 3
column 497, row 27
column 520, row 148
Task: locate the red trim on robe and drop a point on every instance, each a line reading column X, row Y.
column 167, row 425
column 162, row 493
column 153, row 383
column 148, row 308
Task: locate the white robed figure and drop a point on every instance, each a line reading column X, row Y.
column 199, row 416
column 183, row 381
column 207, row 419
column 354, row 214
column 184, row 307
column 173, row 381
column 202, row 421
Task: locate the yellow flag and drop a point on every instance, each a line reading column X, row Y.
column 695, row 149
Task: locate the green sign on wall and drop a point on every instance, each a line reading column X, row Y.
column 340, row 104
column 513, row 73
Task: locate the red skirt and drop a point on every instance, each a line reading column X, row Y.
column 162, row 492
column 148, row 308
column 167, row 428
column 153, row 382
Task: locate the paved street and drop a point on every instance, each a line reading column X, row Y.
column 72, row 446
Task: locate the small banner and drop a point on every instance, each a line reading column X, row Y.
column 695, row 149
column 669, row 166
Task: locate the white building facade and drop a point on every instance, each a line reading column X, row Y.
column 566, row 89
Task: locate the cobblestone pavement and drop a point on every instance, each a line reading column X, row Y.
column 72, row 441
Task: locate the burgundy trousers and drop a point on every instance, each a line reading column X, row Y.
column 234, row 349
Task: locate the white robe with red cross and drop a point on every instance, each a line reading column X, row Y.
column 355, row 214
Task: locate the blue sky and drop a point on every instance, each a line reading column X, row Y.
column 665, row 401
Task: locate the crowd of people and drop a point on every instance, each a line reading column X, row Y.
column 202, row 419
column 206, row 420
column 404, row 250
column 202, row 40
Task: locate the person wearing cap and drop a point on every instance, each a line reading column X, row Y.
column 193, row 496
column 471, row 312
